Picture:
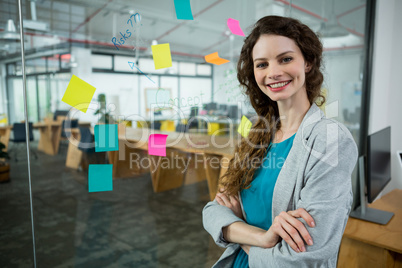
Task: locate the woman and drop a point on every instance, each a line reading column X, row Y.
column 285, row 199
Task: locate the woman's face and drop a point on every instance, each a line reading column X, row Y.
column 279, row 68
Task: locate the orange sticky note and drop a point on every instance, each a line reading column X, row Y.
column 162, row 56
column 215, row 59
column 78, row 94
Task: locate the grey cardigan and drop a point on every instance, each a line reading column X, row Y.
column 316, row 176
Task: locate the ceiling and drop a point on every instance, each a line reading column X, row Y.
column 96, row 22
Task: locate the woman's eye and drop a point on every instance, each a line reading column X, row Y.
column 262, row 65
column 287, row 59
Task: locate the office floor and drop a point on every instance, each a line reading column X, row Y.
column 130, row 226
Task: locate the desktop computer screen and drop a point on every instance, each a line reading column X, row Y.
column 233, row 111
column 194, row 112
column 378, row 162
column 223, row 107
column 211, row 106
column 60, row 113
column 375, row 174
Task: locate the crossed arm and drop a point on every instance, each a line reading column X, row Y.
column 284, row 226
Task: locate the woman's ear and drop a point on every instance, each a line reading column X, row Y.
column 307, row 67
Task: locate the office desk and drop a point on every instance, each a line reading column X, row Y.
column 366, row 244
column 50, row 134
column 5, row 135
column 135, row 141
column 74, row 155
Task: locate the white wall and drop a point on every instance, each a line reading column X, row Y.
column 386, row 94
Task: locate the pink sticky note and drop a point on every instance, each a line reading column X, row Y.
column 157, row 144
column 234, row 27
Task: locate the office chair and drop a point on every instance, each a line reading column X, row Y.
column 20, row 137
column 73, row 124
column 87, row 141
column 193, row 123
column 66, row 133
column 156, row 125
column 181, row 128
column 87, row 146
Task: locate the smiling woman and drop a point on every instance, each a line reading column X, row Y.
column 265, row 215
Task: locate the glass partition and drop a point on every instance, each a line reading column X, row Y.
column 108, row 46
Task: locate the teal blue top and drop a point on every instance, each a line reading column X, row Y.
column 257, row 200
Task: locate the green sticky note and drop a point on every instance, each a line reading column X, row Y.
column 106, row 138
column 244, row 127
column 78, row 94
column 162, row 56
column 183, row 10
column 100, row 178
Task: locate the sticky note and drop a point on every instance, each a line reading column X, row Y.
column 215, row 59
column 157, row 144
column 234, row 27
column 162, row 56
column 78, row 94
column 244, row 127
column 183, row 10
column 100, row 178
column 106, row 138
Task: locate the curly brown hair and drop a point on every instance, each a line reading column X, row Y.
column 239, row 176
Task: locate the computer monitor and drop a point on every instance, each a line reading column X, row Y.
column 232, row 111
column 223, row 107
column 211, row 106
column 378, row 162
column 59, row 113
column 375, row 173
column 399, row 153
column 194, row 111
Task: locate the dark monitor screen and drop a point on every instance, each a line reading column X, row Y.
column 378, row 162
column 223, row 107
column 233, row 110
column 193, row 111
column 211, row 106
column 59, row 113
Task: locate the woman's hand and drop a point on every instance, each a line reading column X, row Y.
column 231, row 202
column 290, row 229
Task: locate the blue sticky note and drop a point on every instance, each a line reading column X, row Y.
column 100, row 178
column 106, row 138
column 183, row 10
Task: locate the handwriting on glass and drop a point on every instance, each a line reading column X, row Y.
column 127, row 34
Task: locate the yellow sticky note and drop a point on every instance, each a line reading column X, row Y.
column 244, row 127
column 78, row 94
column 162, row 56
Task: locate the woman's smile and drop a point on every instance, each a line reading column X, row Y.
column 278, row 86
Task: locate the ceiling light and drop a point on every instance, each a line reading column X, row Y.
column 9, row 33
column 331, row 28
